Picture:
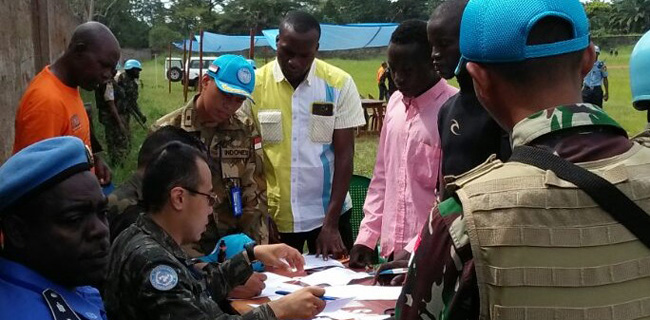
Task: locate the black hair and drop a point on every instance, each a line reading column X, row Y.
column 542, row 70
column 173, row 165
column 413, row 31
column 300, row 21
column 164, row 136
column 451, row 8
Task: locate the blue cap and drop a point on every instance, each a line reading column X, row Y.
column 496, row 31
column 40, row 166
column 234, row 244
column 233, row 74
column 132, row 64
column 252, row 62
column 640, row 69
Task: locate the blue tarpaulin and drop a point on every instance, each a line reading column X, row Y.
column 333, row 37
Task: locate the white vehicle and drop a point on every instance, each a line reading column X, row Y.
column 174, row 68
column 193, row 71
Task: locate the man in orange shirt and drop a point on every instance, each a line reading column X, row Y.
column 52, row 105
column 381, row 81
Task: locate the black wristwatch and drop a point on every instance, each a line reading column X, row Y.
column 250, row 252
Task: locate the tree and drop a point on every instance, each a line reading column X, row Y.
column 630, row 16
column 161, row 35
column 599, row 13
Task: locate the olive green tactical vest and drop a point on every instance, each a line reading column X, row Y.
column 543, row 249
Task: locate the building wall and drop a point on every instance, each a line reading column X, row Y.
column 34, row 33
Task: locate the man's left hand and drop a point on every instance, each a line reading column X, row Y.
column 606, row 96
column 280, row 256
column 252, row 288
column 329, row 242
column 102, row 171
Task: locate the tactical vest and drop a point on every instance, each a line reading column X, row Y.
column 543, row 249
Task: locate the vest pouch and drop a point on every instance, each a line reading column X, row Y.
column 271, row 125
column 321, row 128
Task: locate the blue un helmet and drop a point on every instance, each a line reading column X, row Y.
column 131, row 64
column 639, row 71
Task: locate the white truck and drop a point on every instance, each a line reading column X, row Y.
column 174, row 68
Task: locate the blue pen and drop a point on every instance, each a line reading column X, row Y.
column 284, row 293
column 394, row 271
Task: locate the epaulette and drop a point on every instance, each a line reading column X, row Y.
column 454, row 183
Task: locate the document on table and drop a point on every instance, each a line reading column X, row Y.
column 334, row 277
column 311, row 262
column 360, row 292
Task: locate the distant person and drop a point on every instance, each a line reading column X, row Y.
column 53, row 218
column 592, row 89
column 151, row 277
column 403, row 187
column 116, row 130
column 381, row 81
column 128, row 81
column 639, row 80
column 307, row 110
column 516, row 240
column 235, row 150
column 468, row 134
column 52, row 105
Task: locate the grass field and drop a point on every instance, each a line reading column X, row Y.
column 155, row 101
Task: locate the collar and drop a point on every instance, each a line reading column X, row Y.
column 425, row 99
column 279, row 76
column 150, row 227
column 78, row 298
column 559, row 118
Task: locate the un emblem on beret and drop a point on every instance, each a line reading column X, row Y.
column 244, row 76
column 163, row 278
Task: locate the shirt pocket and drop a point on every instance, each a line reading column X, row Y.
column 424, row 165
column 271, row 125
column 321, row 128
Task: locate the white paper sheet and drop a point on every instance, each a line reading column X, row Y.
column 334, row 277
column 273, row 278
column 311, row 262
column 346, row 315
column 361, row 292
column 336, row 305
column 271, row 288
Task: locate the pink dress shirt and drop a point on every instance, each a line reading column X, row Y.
column 402, row 191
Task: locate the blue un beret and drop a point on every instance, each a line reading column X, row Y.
column 40, row 166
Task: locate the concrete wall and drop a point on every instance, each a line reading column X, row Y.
column 34, row 33
column 138, row 54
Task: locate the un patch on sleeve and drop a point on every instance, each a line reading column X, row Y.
column 163, row 278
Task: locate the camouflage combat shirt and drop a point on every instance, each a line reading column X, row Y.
column 235, row 155
column 125, row 204
column 150, row 278
column 441, row 281
column 129, row 93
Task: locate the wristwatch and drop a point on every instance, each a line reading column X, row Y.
column 250, row 252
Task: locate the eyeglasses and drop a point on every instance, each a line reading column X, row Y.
column 212, row 198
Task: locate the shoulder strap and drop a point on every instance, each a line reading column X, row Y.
column 605, row 194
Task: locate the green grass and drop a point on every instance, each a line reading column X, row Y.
column 155, row 101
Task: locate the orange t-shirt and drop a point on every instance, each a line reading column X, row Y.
column 380, row 73
column 49, row 109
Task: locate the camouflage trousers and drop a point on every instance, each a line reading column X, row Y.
column 117, row 143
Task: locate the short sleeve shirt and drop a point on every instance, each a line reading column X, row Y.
column 297, row 127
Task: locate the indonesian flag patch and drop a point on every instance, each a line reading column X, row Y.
column 257, row 142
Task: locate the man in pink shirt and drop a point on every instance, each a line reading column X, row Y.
column 402, row 191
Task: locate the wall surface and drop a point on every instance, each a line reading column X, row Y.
column 34, row 33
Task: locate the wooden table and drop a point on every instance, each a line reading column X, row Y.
column 375, row 121
column 375, row 306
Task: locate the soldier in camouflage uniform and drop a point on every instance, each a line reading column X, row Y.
column 114, row 119
column 126, row 89
column 125, row 203
column 151, row 277
column 515, row 241
column 235, row 151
